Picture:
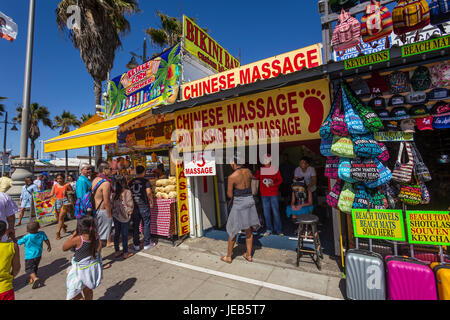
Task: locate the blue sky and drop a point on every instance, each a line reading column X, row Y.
column 261, row 29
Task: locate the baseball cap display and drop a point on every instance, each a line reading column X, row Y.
column 425, row 123
column 438, row 94
column 377, row 83
column 417, row 97
column 391, row 126
column 419, row 111
column 399, row 113
column 377, row 103
column 397, row 100
column 383, row 115
column 421, row 79
column 441, row 115
column 407, row 125
column 359, row 86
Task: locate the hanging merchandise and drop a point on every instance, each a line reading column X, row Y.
column 438, row 94
column 396, row 100
column 346, row 198
column 325, row 129
column 366, row 146
column 411, row 193
column 377, row 103
column 338, row 5
column 390, row 195
column 384, row 155
column 333, row 196
column 376, row 24
column 377, row 83
column 410, row 15
column 403, row 171
column 385, row 176
column 338, row 126
column 422, row 117
column 441, row 115
column 345, row 166
column 440, row 75
column 378, row 200
column 439, row 13
column 346, row 34
column 399, row 113
column 354, row 122
column 359, row 86
column 331, row 167
column 362, row 199
column 325, row 147
column 364, row 170
column 426, row 197
column 407, row 125
column 416, row 97
column 399, row 82
column 343, row 147
column 420, row 169
column 421, row 79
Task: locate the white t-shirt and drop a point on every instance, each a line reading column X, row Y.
column 307, row 175
column 7, row 208
column 38, row 183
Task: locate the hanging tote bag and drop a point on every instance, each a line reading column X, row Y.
column 403, row 171
column 325, row 129
column 385, row 176
column 439, row 13
column 366, row 146
column 338, row 125
column 390, row 195
column 346, row 198
column 345, row 166
column 364, row 170
column 410, row 15
column 384, row 155
column 362, row 199
column 354, row 122
column 333, row 196
column 325, row 147
column 426, row 198
column 378, row 200
column 331, row 167
column 346, row 34
column 411, row 194
column 343, row 147
column 376, row 24
column 420, row 169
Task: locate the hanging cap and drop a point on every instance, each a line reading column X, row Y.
column 397, row 100
column 425, row 123
column 419, row 111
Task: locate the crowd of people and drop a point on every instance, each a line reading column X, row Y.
column 116, row 203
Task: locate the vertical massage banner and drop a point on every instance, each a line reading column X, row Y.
column 44, row 208
column 182, row 201
column 152, row 83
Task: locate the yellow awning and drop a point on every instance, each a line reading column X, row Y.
column 96, row 134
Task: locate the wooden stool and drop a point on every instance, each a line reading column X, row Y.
column 307, row 229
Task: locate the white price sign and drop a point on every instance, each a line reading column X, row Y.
column 201, row 164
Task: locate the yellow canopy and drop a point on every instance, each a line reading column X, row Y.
column 95, row 134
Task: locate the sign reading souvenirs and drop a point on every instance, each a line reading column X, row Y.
column 205, row 48
column 152, row 83
column 182, row 200
column 367, row 60
column 426, row 46
column 286, row 63
column 394, row 136
column 428, row 227
column 293, row 113
column 378, row 224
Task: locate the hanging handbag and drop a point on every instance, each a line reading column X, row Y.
column 346, row 33
column 439, row 12
column 331, row 167
column 364, row 170
column 345, row 166
column 378, row 200
column 403, row 171
column 343, row 147
column 420, row 169
column 354, row 123
column 325, row 129
column 411, row 193
column 346, row 198
column 338, row 126
column 325, row 147
column 366, row 146
column 426, row 198
column 362, row 199
column 333, row 196
column 410, row 15
column 384, row 155
column 376, row 24
column 391, row 196
column 385, row 176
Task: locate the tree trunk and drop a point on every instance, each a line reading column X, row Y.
column 32, row 147
column 98, row 101
column 67, row 163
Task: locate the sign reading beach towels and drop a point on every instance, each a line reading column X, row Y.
column 379, row 224
column 428, row 227
column 44, row 208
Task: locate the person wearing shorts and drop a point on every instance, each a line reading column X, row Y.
column 26, row 198
column 59, row 190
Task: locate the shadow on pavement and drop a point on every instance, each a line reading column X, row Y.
column 44, row 273
column 117, row 291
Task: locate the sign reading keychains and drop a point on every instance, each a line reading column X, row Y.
column 428, row 227
column 44, row 208
column 379, row 224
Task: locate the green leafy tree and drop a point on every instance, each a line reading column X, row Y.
column 37, row 115
column 102, row 24
column 116, row 96
column 64, row 122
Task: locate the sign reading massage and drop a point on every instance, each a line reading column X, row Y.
column 293, row 113
column 286, row 63
column 205, row 48
column 153, row 83
column 378, row 224
column 428, row 227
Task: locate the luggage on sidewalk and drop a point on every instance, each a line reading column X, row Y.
column 425, row 254
column 365, row 275
column 409, row 279
column 442, row 273
column 381, row 247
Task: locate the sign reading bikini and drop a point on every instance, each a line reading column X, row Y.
column 293, row 113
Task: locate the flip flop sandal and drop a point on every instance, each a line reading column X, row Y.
column 36, row 284
column 249, row 259
column 107, row 266
column 128, row 255
column 225, row 260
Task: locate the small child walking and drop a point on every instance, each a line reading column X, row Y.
column 9, row 265
column 33, row 242
column 86, row 272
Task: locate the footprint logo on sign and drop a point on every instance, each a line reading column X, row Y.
column 314, row 107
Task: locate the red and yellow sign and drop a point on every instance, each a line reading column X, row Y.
column 286, row 63
column 428, row 227
column 205, row 48
column 182, row 201
column 296, row 113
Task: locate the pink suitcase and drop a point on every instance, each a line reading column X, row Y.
column 409, row 279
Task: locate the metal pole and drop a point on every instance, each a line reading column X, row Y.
column 144, row 57
column 27, row 83
column 4, row 144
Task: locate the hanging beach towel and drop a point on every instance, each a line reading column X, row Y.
column 345, row 166
column 385, row 176
column 354, row 122
column 366, row 146
column 364, row 170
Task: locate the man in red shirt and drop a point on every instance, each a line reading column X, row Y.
column 269, row 180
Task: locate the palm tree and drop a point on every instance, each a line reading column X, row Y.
column 64, row 122
column 97, row 38
column 169, row 34
column 37, row 114
column 84, row 118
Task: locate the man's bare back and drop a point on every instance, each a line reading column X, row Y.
column 102, row 195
